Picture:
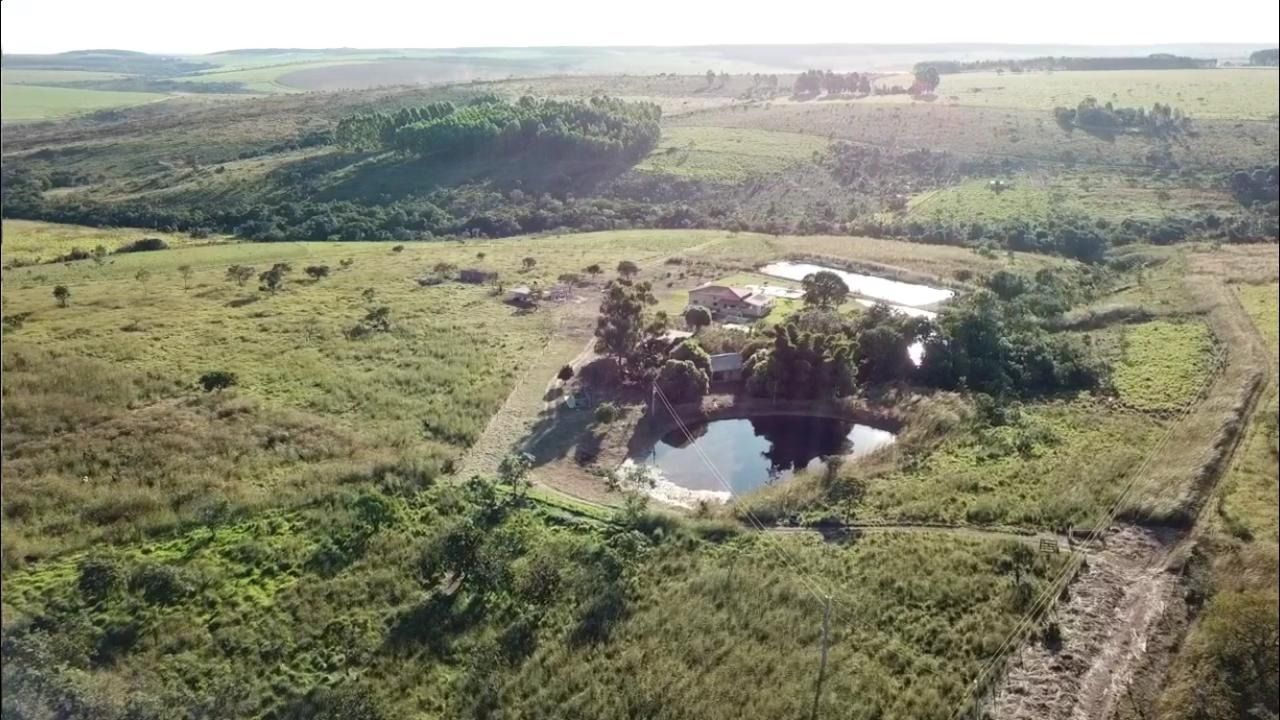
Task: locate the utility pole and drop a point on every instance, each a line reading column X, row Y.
column 822, row 664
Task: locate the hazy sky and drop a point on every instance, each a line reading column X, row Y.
column 179, row 26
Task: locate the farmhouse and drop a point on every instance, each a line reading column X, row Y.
column 726, row 367
column 731, row 302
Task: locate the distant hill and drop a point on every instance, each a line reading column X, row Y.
column 127, row 62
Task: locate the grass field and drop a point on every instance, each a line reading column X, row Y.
column 1062, row 465
column 1027, row 137
column 1162, row 365
column 728, row 155
column 32, row 241
column 33, row 102
column 1035, row 198
column 1249, row 498
column 1234, row 93
column 233, row 553
column 44, row 77
column 136, row 335
column 913, row 617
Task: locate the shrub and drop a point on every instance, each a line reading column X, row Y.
column 217, row 380
column 99, row 576
column 607, row 412
column 160, row 584
column 143, row 245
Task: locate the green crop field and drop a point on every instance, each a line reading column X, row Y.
column 33, row 102
column 1162, row 365
column 1235, row 93
column 728, row 155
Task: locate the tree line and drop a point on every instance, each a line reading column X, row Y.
column 1156, row 61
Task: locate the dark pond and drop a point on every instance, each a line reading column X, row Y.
column 751, row 452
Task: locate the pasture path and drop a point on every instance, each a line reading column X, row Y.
column 1113, row 615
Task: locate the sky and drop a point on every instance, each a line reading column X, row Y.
column 178, row 26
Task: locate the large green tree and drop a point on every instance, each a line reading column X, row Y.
column 622, row 324
column 824, row 289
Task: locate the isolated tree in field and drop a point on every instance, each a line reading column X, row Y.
column 824, row 289
column 593, row 269
column 273, row 279
column 565, row 374
column 217, row 380
column 444, row 268
column 621, row 324
column 697, row 317
column 346, row 263
column 62, row 295
column 99, row 254
column 529, row 263
column 240, row 274
column 368, row 294
column 628, row 269
column 711, row 77
column 480, row 255
column 397, row 249
column 143, row 276
column 185, row 271
column 316, row 272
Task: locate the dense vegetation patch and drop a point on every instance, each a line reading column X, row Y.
column 601, row 128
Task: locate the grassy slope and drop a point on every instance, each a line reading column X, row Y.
column 728, row 155
column 34, row 102
column 1241, row 93
column 247, row 495
column 30, row 241
column 1032, row 198
column 132, row 349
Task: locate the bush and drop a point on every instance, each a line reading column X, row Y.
column 607, row 412
column 217, row 380
column 160, row 584
column 144, row 245
column 99, row 577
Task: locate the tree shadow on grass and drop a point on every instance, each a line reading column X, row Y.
column 433, row 624
column 242, row 301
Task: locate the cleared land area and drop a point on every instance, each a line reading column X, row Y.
column 723, row 155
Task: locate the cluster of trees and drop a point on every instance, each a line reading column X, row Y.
column 600, row 128
column 1157, row 61
column 1270, row 57
column 1259, row 185
column 811, row 83
column 993, row 342
column 814, row 82
column 1000, row 348
column 1089, row 115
